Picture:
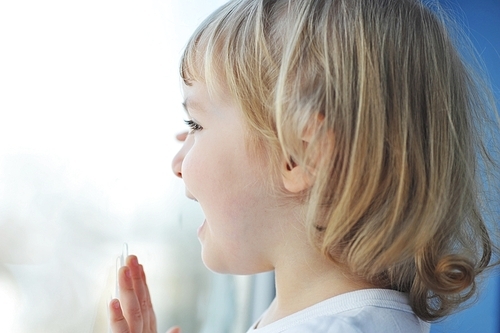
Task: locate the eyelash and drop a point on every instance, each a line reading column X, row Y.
column 193, row 126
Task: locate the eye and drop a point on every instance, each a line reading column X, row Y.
column 193, row 126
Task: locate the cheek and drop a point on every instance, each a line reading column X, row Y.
column 222, row 183
column 204, row 173
column 193, row 168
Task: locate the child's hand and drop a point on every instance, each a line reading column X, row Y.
column 134, row 313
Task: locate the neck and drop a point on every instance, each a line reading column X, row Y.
column 306, row 279
column 303, row 275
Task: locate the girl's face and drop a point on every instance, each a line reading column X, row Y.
column 241, row 227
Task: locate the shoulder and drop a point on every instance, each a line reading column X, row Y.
column 364, row 311
column 326, row 325
column 366, row 320
column 323, row 324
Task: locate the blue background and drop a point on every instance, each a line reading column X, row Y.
column 481, row 19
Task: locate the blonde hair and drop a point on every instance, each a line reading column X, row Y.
column 395, row 114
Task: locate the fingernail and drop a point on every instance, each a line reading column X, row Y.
column 134, row 261
column 115, row 304
column 127, row 272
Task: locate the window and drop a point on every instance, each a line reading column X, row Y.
column 90, row 102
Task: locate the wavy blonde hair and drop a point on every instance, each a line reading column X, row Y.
column 395, row 113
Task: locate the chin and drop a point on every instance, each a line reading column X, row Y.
column 216, row 265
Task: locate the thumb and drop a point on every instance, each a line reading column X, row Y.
column 174, row 330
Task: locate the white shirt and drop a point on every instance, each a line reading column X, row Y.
column 362, row 311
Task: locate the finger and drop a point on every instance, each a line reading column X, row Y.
column 117, row 320
column 141, row 291
column 129, row 302
column 181, row 136
column 151, row 313
column 174, row 330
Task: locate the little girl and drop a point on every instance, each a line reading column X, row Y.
column 335, row 142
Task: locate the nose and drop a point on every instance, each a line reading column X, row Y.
column 179, row 157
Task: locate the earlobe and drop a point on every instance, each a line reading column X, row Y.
column 295, row 178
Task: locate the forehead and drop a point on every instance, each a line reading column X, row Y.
column 200, row 99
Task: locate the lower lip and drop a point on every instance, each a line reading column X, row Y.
column 200, row 228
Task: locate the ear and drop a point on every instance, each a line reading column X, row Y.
column 295, row 178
